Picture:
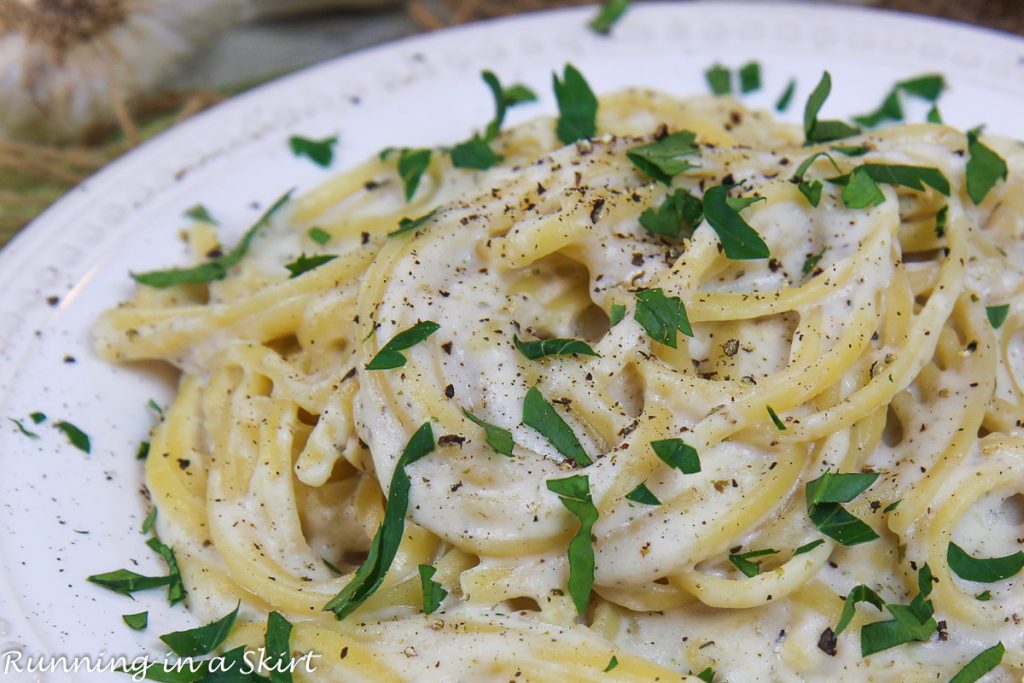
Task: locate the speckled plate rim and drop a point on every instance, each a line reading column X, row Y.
column 68, row 251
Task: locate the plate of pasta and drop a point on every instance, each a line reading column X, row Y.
column 652, row 343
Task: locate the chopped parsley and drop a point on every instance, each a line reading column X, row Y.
column 642, row 494
column 816, row 130
column 542, row 416
column 389, row 357
column 612, row 663
column 661, row 316
column 407, row 224
column 319, row 235
column 200, row 214
column 707, row 675
column 143, row 451
column 306, row 263
column 680, row 212
column 786, row 97
column 719, row 79
column 779, row 424
column 618, row 312
column 660, row 159
column 609, row 14
column 927, row 87
column 147, row 524
column 412, row 163
column 137, row 622
column 889, row 110
column 808, row 547
column 743, row 563
column 574, row 492
column 577, row 106
column 433, row 593
column 893, row 505
column 997, row 315
column 987, row 570
column 980, row 665
column 750, row 77
column 76, row 436
column 812, row 261
column 552, row 347
column 320, row 152
column 933, row 115
column 475, row 153
column 499, row 439
column 504, row 98
column 384, row 546
column 127, row 582
column 37, row 417
column 811, row 189
column 176, row 587
column 984, row 596
column 203, row 640
column 824, row 496
column 859, row 593
column 276, row 640
column 23, row 429
column 941, row 220
column 910, row 622
column 984, row 168
column 862, row 186
column 677, row 454
column 739, row 240
column 214, row 269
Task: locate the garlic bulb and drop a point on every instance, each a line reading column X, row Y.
column 67, row 66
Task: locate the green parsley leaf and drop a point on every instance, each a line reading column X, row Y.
column 276, row 641
column 76, row 436
column 176, row 587
column 927, row 87
column 407, row 224
column 137, row 622
column 719, row 79
column 577, row 106
column 984, row 168
column 203, row 640
column 215, row 269
column 155, row 407
column 707, row 675
column 147, row 524
column 750, row 77
column 824, row 496
column 333, row 567
column 552, row 347
column 618, row 312
column 321, row 152
column 743, row 563
column 811, row 190
column 997, row 315
column 889, row 110
column 384, row 546
column 661, row 316
column 143, row 451
column 642, row 494
column 574, row 492
column 612, row 663
column 860, row 593
column 786, row 97
column 823, row 131
column 808, row 547
column 850, row 150
column 660, row 159
column 914, row 177
column 200, row 214
column 987, row 570
column 680, row 211
column 433, row 592
column 806, row 164
column 811, row 262
column 37, row 417
column 543, row 417
column 892, row 506
column 504, row 98
column 862, row 191
column 933, row 115
column 678, row 454
column 984, row 595
column 910, row 622
column 319, row 235
column 306, row 263
column 127, row 582
column 941, row 219
column 389, row 357
column 611, row 11
column 24, row 430
column 740, row 241
column 475, row 153
column 412, row 163
column 779, row 424
column 980, row 665
column 497, row 438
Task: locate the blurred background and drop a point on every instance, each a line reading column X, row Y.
column 83, row 81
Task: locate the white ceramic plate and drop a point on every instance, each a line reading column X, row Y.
column 234, row 159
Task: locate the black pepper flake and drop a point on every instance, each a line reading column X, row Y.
column 349, row 375
column 595, row 210
column 943, row 630
column 183, row 463
column 53, row 300
column 451, row 440
column 638, row 259
column 216, row 252
column 827, row 642
column 447, row 348
column 731, row 347
column 365, row 238
column 344, row 652
column 449, row 391
column 371, row 185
